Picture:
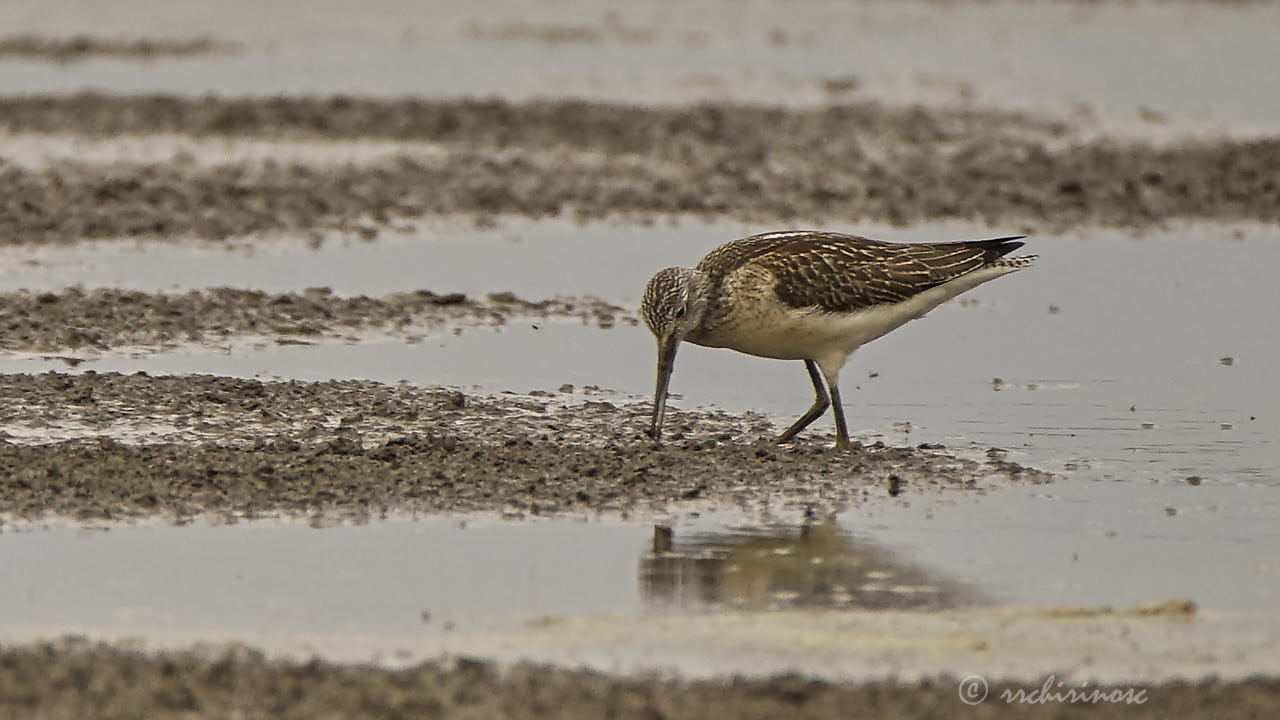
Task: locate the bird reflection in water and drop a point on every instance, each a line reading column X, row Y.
column 778, row 567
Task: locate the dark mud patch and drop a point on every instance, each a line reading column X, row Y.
column 67, row 678
column 359, row 449
column 766, row 165
column 602, row 126
column 85, row 47
column 76, row 319
column 611, row 30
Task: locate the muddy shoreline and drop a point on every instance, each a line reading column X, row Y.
column 360, row 450
column 102, row 319
column 85, row 47
column 484, row 160
column 63, row 678
column 608, row 127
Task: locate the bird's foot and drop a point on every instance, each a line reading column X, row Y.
column 844, row 444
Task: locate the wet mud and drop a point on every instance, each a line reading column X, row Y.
column 85, row 47
column 96, row 320
column 354, row 449
column 64, row 679
column 488, row 159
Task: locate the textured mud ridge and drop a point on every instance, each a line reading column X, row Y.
column 67, row 679
column 84, row 47
column 607, row 127
column 360, row 449
column 76, row 319
column 488, row 159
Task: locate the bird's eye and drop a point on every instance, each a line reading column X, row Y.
column 680, row 312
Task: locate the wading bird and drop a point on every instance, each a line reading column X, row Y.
column 811, row 296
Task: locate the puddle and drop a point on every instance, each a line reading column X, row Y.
column 1108, row 358
column 440, row 575
column 1081, row 543
column 531, row 259
column 390, row 578
column 611, row 595
column 1125, row 61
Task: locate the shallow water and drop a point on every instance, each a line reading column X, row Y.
column 472, row 585
column 1118, row 59
column 1110, row 350
column 381, row 578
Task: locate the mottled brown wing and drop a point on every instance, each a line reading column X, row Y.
column 846, row 273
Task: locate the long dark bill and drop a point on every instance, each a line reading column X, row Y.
column 666, row 363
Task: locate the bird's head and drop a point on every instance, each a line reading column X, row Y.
column 674, row 302
column 673, row 305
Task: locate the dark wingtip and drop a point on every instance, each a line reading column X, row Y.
column 999, row 247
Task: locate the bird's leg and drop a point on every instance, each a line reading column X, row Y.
column 842, row 431
column 820, row 403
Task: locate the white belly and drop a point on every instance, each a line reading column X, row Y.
column 772, row 330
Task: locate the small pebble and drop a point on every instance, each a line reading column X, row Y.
column 894, row 484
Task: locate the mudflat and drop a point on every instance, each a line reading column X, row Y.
column 95, row 320
column 351, row 449
column 483, row 160
column 70, row 678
